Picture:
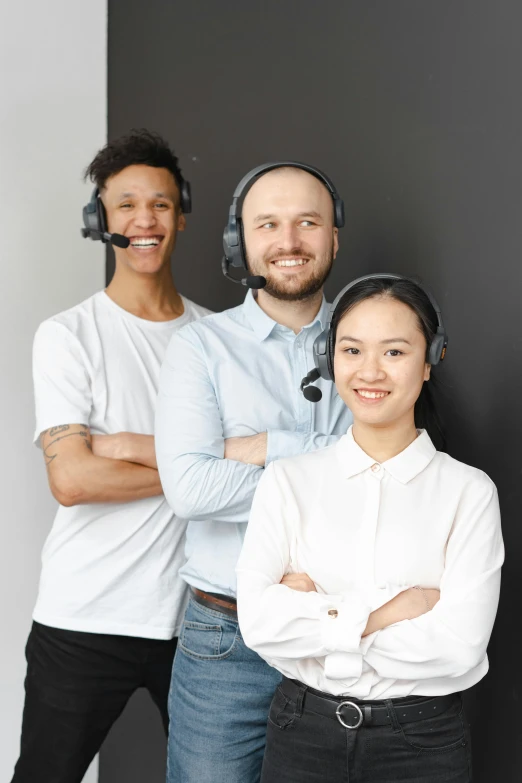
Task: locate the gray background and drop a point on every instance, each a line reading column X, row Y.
column 414, row 109
column 53, row 114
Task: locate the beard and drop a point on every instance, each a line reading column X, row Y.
column 293, row 290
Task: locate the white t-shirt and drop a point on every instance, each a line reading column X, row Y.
column 108, row 567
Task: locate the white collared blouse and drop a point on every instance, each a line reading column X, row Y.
column 364, row 532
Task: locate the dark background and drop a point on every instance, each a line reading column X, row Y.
column 415, row 111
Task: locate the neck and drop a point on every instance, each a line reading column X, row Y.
column 293, row 315
column 383, row 443
column 152, row 297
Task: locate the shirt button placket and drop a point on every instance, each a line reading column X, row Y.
column 366, row 557
column 305, row 412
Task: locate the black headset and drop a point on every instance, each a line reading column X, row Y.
column 324, row 346
column 233, row 241
column 95, row 217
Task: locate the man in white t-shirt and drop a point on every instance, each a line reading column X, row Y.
column 110, row 600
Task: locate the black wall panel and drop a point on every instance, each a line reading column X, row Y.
column 414, row 109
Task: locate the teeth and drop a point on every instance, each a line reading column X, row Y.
column 371, row 395
column 145, row 242
column 290, row 262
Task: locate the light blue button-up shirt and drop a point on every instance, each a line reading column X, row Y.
column 234, row 374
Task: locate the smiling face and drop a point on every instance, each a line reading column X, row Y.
column 142, row 203
column 289, row 234
column 380, row 361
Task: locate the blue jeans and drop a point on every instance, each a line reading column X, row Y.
column 219, row 700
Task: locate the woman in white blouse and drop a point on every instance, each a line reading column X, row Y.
column 370, row 571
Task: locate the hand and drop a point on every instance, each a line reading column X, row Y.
column 251, row 449
column 110, row 446
column 126, row 446
column 406, row 605
column 301, row 582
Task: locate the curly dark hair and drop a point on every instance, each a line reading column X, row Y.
column 139, row 146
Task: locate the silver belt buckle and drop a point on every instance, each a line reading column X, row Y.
column 356, row 708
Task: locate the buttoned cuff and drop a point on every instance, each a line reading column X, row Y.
column 343, row 666
column 343, row 622
column 282, row 443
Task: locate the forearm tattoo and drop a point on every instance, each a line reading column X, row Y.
column 60, row 433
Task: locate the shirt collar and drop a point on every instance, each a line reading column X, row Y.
column 263, row 325
column 403, row 467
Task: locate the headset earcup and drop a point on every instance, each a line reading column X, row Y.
column 101, row 216
column 226, row 245
column 90, row 214
column 320, row 353
column 89, row 218
column 241, row 251
column 339, row 212
column 233, row 243
column 330, row 349
column 186, row 197
column 437, row 348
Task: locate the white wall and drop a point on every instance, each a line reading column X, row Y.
column 53, row 73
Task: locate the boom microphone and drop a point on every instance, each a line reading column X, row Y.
column 118, row 240
column 252, row 281
column 312, row 393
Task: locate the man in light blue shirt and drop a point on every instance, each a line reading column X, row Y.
column 230, row 403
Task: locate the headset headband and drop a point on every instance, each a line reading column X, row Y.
column 388, row 276
column 249, row 179
column 233, row 234
column 323, row 349
column 95, row 218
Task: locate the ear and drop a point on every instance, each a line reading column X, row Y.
column 181, row 222
column 427, row 372
column 335, row 242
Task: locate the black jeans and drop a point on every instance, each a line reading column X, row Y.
column 77, row 685
column 305, row 747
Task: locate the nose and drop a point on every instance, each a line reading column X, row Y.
column 288, row 237
column 144, row 217
column 370, row 369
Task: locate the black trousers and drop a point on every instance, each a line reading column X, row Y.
column 77, row 685
column 303, row 746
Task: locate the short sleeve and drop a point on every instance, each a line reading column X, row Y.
column 62, row 386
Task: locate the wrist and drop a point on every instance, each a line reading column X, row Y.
column 424, row 596
column 261, row 442
column 411, row 603
column 417, row 602
column 124, row 447
column 255, row 449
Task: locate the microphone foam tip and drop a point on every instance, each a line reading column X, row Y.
column 312, row 393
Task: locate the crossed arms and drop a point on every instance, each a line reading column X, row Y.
column 447, row 641
column 85, row 468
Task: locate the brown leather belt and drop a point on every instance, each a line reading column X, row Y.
column 220, row 603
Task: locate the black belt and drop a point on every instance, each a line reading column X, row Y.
column 352, row 713
column 215, row 601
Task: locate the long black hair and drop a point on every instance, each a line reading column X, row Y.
column 411, row 294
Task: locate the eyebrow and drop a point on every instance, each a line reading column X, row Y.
column 382, row 342
column 310, row 213
column 128, row 194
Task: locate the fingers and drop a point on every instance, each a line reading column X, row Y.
column 301, row 582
